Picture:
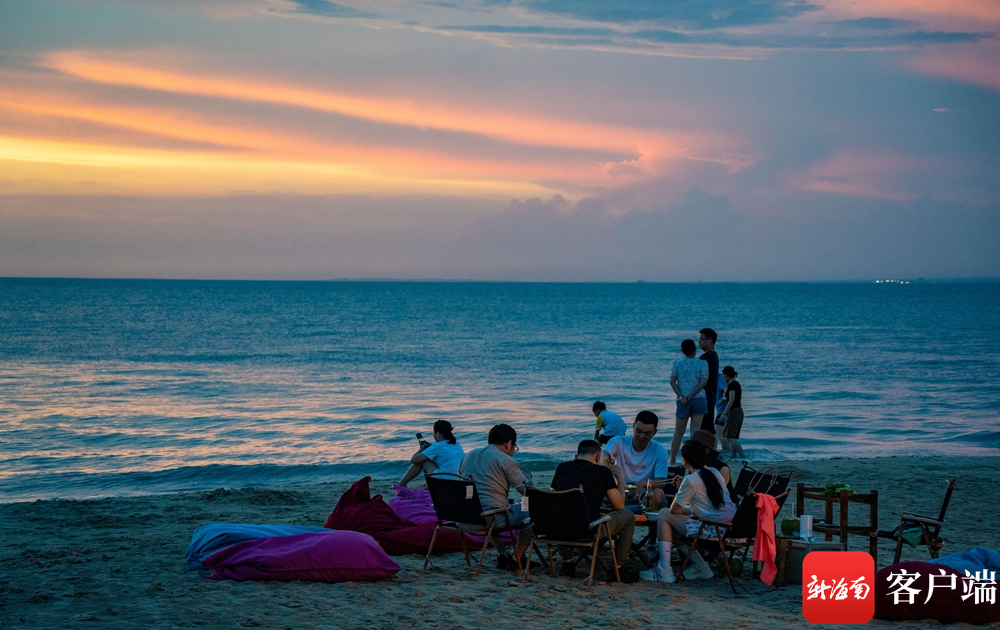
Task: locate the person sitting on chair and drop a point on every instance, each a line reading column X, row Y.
column 598, row 481
column 702, row 495
column 640, row 457
column 494, row 471
column 443, row 456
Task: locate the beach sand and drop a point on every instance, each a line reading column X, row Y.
column 119, row 563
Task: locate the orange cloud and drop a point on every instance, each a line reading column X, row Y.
column 978, row 63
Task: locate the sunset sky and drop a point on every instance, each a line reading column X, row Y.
column 576, row 140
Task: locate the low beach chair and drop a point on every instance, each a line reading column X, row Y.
column 926, row 530
column 738, row 534
column 560, row 519
column 456, row 503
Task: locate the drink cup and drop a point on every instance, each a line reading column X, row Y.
column 806, row 526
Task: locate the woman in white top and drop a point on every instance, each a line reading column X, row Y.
column 702, row 494
column 444, row 455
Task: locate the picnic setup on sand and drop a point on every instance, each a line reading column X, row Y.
column 607, row 533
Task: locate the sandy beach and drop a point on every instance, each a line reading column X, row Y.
column 119, row 563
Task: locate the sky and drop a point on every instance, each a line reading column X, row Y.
column 529, row 140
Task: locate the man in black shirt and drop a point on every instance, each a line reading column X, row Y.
column 706, row 341
column 598, row 481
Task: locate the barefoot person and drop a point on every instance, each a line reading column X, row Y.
column 688, row 378
column 444, row 455
column 733, row 413
column 706, row 341
column 702, row 495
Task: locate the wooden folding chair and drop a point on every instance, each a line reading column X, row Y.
column 930, row 528
column 456, row 503
column 560, row 519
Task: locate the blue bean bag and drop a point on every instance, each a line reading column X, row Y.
column 209, row 539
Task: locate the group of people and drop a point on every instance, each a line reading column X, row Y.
column 606, row 465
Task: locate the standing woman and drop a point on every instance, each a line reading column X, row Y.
column 444, row 455
column 733, row 414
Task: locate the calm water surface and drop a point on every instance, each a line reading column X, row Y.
column 118, row 386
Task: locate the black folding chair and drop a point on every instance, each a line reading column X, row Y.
column 930, row 528
column 762, row 482
column 740, row 533
column 560, row 519
column 456, row 503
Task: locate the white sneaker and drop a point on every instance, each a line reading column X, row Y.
column 656, row 574
column 700, row 572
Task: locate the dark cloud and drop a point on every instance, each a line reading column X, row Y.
column 327, row 9
column 879, row 23
column 691, row 14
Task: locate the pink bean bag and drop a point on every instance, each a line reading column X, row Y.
column 333, row 556
column 945, row 605
column 358, row 511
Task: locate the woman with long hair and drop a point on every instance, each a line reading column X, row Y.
column 444, row 455
column 702, row 495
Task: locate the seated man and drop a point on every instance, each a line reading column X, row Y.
column 598, row 482
column 609, row 423
column 494, row 471
column 639, row 457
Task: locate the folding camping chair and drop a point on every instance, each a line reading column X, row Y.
column 456, row 503
column 930, row 528
column 560, row 519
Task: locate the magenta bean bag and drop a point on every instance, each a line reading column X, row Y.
column 333, row 556
column 358, row 511
column 413, row 504
column 945, row 605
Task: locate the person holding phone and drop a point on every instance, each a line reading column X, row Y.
column 444, row 455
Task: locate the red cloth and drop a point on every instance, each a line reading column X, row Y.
column 358, row 511
column 764, row 547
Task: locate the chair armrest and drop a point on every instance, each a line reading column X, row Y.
column 916, row 518
column 717, row 523
column 496, row 511
column 603, row 519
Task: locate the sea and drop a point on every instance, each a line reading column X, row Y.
column 131, row 387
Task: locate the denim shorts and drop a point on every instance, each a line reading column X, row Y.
column 694, row 407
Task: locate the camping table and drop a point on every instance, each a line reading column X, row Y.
column 843, row 499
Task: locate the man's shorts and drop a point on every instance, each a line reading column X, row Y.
column 694, row 407
column 734, row 424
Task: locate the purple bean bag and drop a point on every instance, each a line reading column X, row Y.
column 334, row 556
column 413, row 504
column 945, row 605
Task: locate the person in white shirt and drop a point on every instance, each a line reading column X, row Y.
column 443, row 456
column 702, row 495
column 609, row 423
column 639, row 457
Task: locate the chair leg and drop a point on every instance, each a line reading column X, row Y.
column 614, row 559
column 465, row 548
column 691, row 550
column 552, row 563
column 593, row 566
column 899, row 543
column 725, row 563
column 486, row 543
column 431, row 548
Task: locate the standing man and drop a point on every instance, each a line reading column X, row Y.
column 688, row 378
column 706, row 341
column 609, row 423
column 494, row 470
column 597, row 482
column 639, row 457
